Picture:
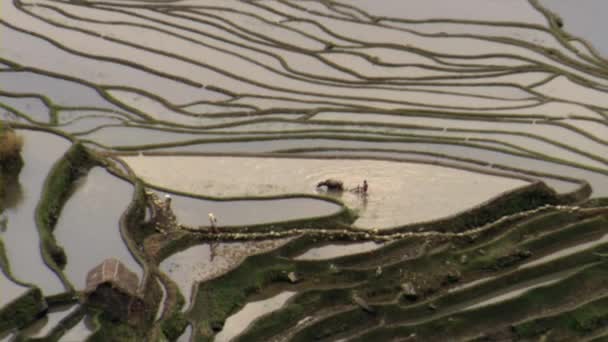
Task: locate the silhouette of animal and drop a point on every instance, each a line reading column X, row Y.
column 332, row 184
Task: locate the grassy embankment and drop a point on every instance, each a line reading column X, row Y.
column 10, row 159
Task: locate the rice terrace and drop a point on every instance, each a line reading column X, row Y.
column 303, row 170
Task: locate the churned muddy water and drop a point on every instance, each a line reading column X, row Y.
column 561, row 186
column 529, row 167
column 206, row 261
column 21, row 239
column 88, row 227
column 399, row 193
column 239, row 322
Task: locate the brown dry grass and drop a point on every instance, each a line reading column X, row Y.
column 10, row 144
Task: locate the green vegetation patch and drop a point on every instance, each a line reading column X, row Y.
column 23, row 310
column 11, row 162
column 174, row 326
column 217, row 299
column 569, row 325
column 526, row 198
column 111, row 330
column 59, row 185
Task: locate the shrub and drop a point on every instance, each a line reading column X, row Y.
column 10, row 144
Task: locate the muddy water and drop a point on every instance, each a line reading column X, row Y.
column 88, row 226
column 21, row 238
column 238, row 322
column 194, row 212
column 204, row 262
column 399, row 193
column 561, row 186
column 597, row 180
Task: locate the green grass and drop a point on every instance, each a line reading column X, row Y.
column 110, row 330
column 572, row 324
column 11, row 162
column 10, row 144
column 217, row 299
column 58, row 186
column 23, row 310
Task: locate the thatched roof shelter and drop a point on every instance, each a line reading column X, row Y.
column 113, row 288
column 116, row 274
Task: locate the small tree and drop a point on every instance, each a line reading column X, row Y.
column 10, row 159
column 10, row 143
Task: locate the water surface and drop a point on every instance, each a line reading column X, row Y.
column 88, row 227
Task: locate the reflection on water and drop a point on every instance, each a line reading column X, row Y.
column 476, row 59
column 566, row 251
column 512, row 10
column 337, row 250
column 13, row 195
column 193, row 211
column 21, row 239
column 517, row 290
column 33, row 107
column 399, row 193
column 238, row 322
column 161, row 305
column 60, row 91
column 43, row 326
column 185, row 337
column 80, row 331
column 88, row 226
column 9, row 290
column 585, row 21
column 204, row 262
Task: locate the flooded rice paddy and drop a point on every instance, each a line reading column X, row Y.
column 389, row 202
column 204, row 262
column 89, row 225
column 480, row 126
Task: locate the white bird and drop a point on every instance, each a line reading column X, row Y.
column 212, row 220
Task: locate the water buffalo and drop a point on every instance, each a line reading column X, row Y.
column 332, row 185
